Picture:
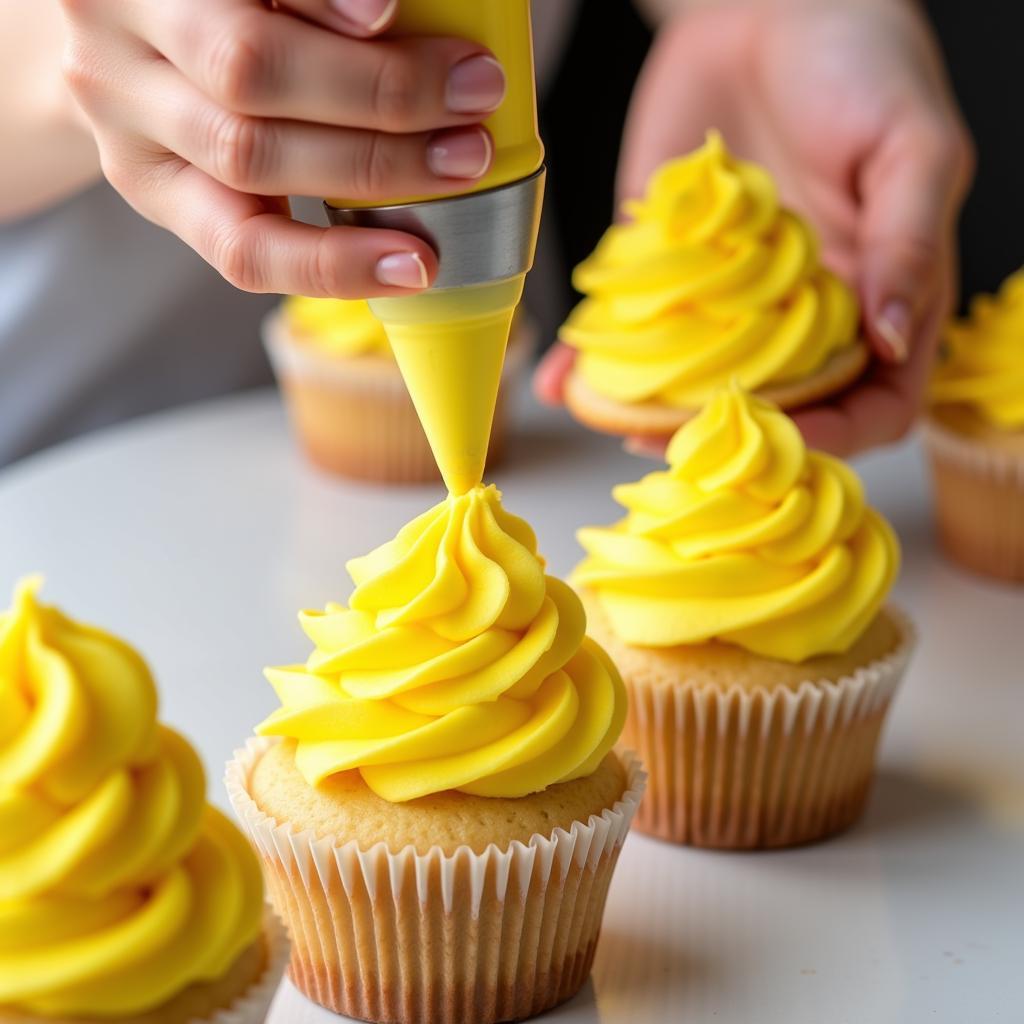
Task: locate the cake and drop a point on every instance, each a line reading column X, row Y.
column 743, row 599
column 348, row 405
column 123, row 894
column 437, row 801
column 975, row 435
column 708, row 280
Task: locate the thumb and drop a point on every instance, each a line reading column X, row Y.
column 911, row 190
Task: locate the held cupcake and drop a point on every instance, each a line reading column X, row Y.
column 345, row 395
column 708, row 282
column 437, row 804
column 975, row 434
column 123, row 894
column 743, row 599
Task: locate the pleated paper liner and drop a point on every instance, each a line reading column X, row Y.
column 354, row 417
column 416, row 938
column 250, row 1004
column 751, row 769
column 979, row 503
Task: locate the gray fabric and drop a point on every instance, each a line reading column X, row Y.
column 104, row 316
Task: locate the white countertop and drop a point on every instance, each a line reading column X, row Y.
column 198, row 535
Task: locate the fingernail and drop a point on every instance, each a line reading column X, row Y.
column 476, row 85
column 643, row 448
column 402, row 270
column 373, row 15
column 894, row 324
column 460, row 153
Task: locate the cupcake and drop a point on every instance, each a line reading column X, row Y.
column 437, row 802
column 345, row 395
column 743, row 599
column 123, row 894
column 975, row 435
column 709, row 281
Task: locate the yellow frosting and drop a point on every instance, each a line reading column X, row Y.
column 341, row 327
column 983, row 364
column 710, row 281
column 450, row 346
column 119, row 885
column 747, row 538
column 458, row 665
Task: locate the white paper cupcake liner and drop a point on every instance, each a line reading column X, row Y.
column 354, row 416
column 436, row 939
column 979, row 502
column 753, row 768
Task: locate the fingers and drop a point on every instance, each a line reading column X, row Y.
column 552, row 372
column 881, row 409
column 253, row 242
column 276, row 157
column 646, row 447
column 362, row 18
column 912, row 188
column 265, row 63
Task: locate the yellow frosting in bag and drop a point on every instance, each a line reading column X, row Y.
column 983, row 365
column 458, row 664
column 710, row 281
column 341, row 327
column 747, row 537
column 119, row 885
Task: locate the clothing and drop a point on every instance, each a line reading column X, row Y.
column 105, row 316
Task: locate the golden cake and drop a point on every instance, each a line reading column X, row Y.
column 436, row 801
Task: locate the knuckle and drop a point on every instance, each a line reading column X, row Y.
column 396, row 91
column 77, row 8
column 329, row 275
column 81, row 72
column 241, row 62
column 236, row 257
column 375, row 167
column 238, row 144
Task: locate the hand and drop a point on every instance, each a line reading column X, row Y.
column 208, row 114
column 848, row 105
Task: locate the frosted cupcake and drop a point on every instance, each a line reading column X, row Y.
column 346, row 398
column 975, row 434
column 743, row 599
column 709, row 281
column 436, row 802
column 123, row 894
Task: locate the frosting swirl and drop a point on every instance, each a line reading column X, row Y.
column 119, row 885
column 340, row 327
column 747, row 537
column 983, row 362
column 709, row 282
column 458, row 665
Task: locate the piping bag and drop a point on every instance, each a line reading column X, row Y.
column 450, row 340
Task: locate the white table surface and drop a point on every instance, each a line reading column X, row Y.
column 197, row 535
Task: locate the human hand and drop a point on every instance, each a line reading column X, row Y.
column 848, row 105
column 208, row 114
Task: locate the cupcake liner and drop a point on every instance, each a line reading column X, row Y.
column 750, row 769
column 250, row 1006
column 434, row 939
column 354, row 416
column 979, row 502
